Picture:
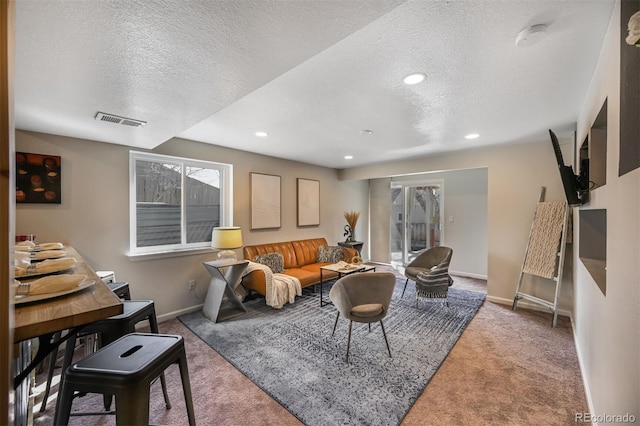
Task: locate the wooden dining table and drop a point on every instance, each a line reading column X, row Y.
column 45, row 319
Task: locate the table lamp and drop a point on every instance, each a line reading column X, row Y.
column 225, row 239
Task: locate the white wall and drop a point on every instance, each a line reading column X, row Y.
column 608, row 327
column 94, row 214
column 516, row 172
column 465, row 200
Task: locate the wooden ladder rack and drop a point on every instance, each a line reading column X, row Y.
column 544, row 246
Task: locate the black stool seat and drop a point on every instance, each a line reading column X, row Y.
column 121, row 289
column 109, row 330
column 125, row 368
column 133, row 312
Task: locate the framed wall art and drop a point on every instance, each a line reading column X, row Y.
column 308, row 202
column 38, row 178
column 265, row 201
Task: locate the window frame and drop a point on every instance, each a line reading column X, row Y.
column 226, row 203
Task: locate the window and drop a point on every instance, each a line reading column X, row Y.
column 175, row 202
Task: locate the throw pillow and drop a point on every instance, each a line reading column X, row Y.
column 330, row 254
column 275, row 261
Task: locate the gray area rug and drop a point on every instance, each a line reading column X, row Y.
column 291, row 355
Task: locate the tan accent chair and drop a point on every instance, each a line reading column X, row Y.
column 363, row 297
column 430, row 271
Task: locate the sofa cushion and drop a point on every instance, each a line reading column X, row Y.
column 284, row 248
column 306, row 278
column 314, row 268
column 330, row 254
column 307, row 250
column 272, row 260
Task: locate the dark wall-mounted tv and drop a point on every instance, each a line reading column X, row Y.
column 576, row 187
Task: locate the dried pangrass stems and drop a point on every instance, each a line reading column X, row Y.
column 352, row 218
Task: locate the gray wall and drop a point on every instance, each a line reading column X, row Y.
column 515, row 174
column 380, row 222
column 465, row 200
column 607, row 328
column 94, row 214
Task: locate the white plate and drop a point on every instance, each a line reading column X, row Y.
column 18, row 300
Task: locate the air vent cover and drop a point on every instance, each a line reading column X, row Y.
column 102, row 116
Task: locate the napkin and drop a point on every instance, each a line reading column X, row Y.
column 30, row 246
column 55, row 284
column 25, row 245
column 46, row 266
column 45, row 254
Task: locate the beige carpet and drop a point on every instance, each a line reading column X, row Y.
column 508, row 368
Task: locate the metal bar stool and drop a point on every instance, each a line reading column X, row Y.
column 126, row 368
column 111, row 329
column 121, row 289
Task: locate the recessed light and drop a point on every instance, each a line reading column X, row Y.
column 366, row 132
column 262, row 134
column 414, row 78
column 348, row 157
column 472, row 136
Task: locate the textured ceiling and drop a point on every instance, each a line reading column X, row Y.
column 312, row 74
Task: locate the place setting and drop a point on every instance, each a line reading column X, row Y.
column 38, row 272
column 49, row 287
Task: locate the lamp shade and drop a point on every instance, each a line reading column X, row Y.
column 229, row 237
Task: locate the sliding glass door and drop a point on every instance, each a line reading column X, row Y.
column 415, row 219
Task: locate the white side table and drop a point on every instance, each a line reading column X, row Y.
column 225, row 277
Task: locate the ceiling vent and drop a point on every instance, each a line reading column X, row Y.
column 110, row 118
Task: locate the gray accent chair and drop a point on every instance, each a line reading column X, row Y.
column 430, row 271
column 363, row 297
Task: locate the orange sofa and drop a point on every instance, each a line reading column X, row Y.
column 300, row 261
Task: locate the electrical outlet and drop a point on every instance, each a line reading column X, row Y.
column 192, row 284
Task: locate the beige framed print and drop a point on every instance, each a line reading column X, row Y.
column 265, row 201
column 308, row 202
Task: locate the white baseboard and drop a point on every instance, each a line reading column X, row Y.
column 585, row 382
column 524, row 304
column 175, row 314
column 468, row 274
column 168, row 316
column 458, row 273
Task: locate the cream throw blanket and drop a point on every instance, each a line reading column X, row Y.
column 281, row 288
